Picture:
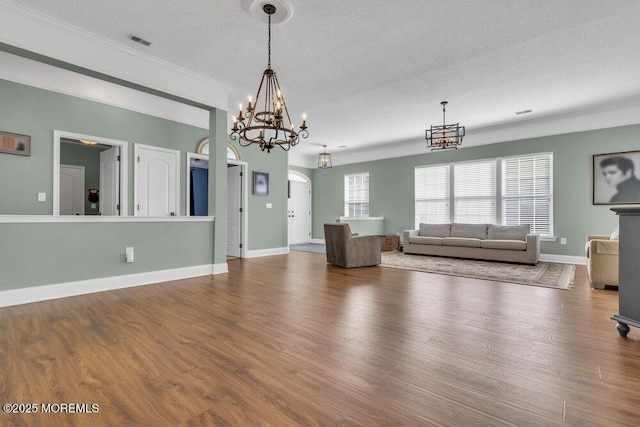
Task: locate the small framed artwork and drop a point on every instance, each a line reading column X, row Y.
column 260, row 184
column 616, row 178
column 13, row 143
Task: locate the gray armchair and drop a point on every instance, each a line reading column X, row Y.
column 345, row 250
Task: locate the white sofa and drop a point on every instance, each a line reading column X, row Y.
column 477, row 241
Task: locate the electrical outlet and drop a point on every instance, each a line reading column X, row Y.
column 563, row 240
column 42, row 197
column 128, row 254
column 269, row 205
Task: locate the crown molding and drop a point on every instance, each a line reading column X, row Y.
column 56, row 39
column 591, row 118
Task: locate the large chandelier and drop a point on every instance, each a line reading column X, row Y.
column 266, row 122
column 445, row 136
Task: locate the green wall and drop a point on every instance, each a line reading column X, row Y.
column 267, row 227
column 65, row 252
column 89, row 157
column 48, row 253
column 391, row 184
column 37, row 112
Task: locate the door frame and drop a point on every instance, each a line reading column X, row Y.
column 58, row 135
column 187, row 194
column 244, row 187
column 136, row 154
column 308, row 180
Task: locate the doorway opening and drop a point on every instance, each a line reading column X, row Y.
column 299, row 209
column 89, row 175
column 237, row 198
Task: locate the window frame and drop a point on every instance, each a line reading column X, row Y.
column 361, row 202
column 500, row 176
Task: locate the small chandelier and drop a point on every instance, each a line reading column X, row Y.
column 266, row 122
column 445, row 136
column 324, row 159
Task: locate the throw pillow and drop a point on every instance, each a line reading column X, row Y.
column 616, row 234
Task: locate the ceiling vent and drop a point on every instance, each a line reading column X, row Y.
column 518, row 113
column 139, row 40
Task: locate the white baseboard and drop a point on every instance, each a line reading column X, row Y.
column 81, row 287
column 220, row 268
column 267, row 252
column 318, row 241
column 564, row 259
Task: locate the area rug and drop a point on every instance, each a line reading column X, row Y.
column 546, row 274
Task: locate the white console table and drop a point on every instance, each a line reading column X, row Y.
column 629, row 270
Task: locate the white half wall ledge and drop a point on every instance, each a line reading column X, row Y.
column 82, row 287
column 318, row 241
column 267, row 252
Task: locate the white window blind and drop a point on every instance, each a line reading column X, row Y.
column 527, row 192
column 432, row 194
column 475, row 192
column 356, row 195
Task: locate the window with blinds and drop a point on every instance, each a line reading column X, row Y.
column 475, row 192
column 527, row 192
column 509, row 191
column 432, row 194
column 356, row 195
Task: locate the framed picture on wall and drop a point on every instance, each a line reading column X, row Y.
column 260, row 184
column 616, row 178
column 13, row 143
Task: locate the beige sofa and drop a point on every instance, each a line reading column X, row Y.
column 477, row 241
column 602, row 261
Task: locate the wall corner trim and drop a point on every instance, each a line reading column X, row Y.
column 62, row 290
column 220, row 268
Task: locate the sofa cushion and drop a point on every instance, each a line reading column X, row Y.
column 508, row 232
column 512, row 245
column 472, row 231
column 462, row 241
column 424, row 240
column 435, row 230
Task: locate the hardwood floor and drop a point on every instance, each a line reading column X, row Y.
column 288, row 340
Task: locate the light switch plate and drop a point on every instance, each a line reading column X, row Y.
column 42, row 197
column 563, row 240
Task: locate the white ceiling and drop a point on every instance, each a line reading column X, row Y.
column 373, row 72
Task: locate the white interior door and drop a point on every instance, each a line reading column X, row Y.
column 234, row 206
column 109, row 194
column 299, row 213
column 71, row 190
column 156, row 181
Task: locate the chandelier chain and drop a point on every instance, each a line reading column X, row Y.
column 269, row 47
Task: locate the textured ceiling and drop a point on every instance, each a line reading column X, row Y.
column 373, row 72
